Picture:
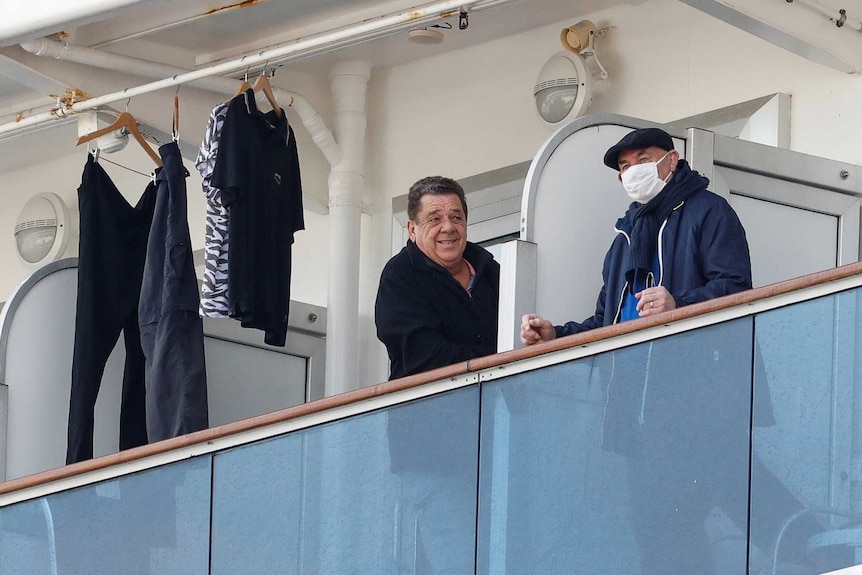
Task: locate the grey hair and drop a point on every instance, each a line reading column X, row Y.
column 435, row 186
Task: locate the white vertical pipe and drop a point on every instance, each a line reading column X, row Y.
column 346, row 185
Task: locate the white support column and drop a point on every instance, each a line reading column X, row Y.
column 346, row 186
column 518, row 260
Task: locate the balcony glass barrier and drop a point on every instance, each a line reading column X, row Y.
column 734, row 448
column 808, row 437
column 620, row 463
column 146, row 523
column 391, row 491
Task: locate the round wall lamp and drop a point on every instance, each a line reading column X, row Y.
column 563, row 90
column 42, row 230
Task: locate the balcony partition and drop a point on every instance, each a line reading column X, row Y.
column 723, row 443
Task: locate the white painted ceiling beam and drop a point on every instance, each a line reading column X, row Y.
column 796, row 27
column 21, row 21
column 29, row 78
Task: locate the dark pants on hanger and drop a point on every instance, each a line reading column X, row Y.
column 171, row 329
column 113, row 241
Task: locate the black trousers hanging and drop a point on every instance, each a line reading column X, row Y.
column 171, row 329
column 113, row 244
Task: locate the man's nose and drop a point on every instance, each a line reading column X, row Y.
column 448, row 225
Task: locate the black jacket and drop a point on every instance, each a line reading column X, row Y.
column 425, row 317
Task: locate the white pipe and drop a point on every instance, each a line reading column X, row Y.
column 315, row 125
column 346, row 185
column 841, row 20
column 20, row 21
column 360, row 30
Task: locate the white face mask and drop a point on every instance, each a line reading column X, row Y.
column 641, row 181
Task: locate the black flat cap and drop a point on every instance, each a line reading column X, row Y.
column 637, row 140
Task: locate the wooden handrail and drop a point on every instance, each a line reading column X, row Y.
column 451, row 371
column 686, row 312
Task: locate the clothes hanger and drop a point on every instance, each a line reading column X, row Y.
column 175, row 132
column 126, row 122
column 242, row 88
column 262, row 84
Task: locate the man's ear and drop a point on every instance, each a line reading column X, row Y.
column 411, row 227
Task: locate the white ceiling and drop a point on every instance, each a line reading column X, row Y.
column 808, row 28
column 197, row 33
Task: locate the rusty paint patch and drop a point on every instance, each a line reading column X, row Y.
column 71, row 96
column 63, row 107
column 236, row 6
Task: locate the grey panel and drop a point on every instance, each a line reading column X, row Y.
column 793, row 229
column 245, row 381
column 37, row 356
column 786, row 242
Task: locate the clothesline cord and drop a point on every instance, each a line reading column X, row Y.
column 125, row 167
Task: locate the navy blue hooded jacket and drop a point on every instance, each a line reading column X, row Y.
column 702, row 253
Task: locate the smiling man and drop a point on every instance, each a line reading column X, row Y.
column 436, row 305
column 438, row 297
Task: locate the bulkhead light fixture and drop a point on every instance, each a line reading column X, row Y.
column 42, row 230
column 565, row 86
column 563, row 89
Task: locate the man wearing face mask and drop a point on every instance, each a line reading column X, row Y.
column 677, row 244
column 685, row 441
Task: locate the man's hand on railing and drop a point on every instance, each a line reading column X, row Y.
column 654, row 300
column 535, row 329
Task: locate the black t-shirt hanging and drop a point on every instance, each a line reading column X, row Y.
column 257, row 171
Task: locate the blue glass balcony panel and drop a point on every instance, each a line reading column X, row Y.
column 808, row 437
column 633, row 461
column 148, row 523
column 728, row 450
column 383, row 492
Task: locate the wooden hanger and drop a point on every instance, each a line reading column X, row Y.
column 175, row 133
column 242, row 88
column 262, row 83
column 124, row 121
